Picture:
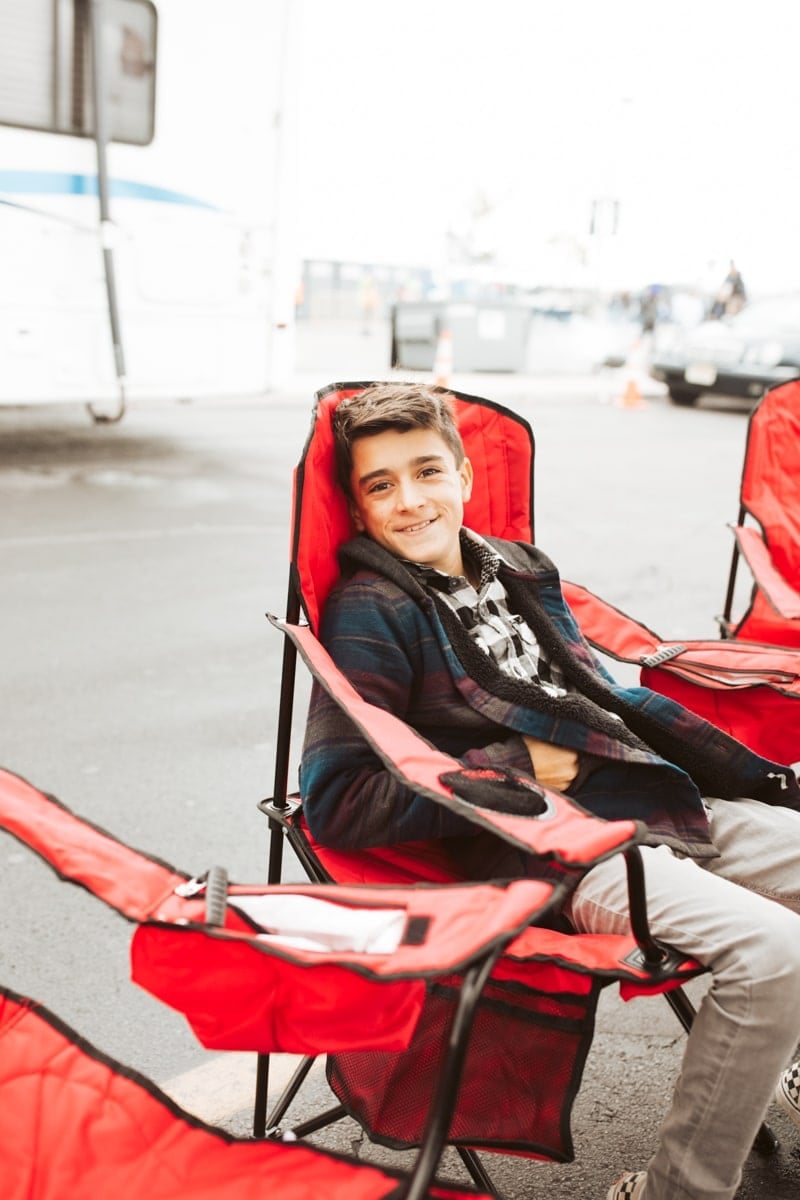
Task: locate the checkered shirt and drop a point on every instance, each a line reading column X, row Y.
column 484, row 613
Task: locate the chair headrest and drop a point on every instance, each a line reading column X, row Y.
column 499, row 443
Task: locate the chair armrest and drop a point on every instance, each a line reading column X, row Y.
column 779, row 593
column 613, row 632
column 553, row 827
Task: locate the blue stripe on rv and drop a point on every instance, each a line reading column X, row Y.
column 68, row 183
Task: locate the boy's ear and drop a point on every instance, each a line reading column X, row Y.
column 467, row 476
column 356, row 517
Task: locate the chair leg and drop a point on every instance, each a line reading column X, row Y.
column 290, row 1091
column 682, row 1006
column 262, row 1089
column 260, row 1121
column 329, row 1117
column 725, row 623
column 451, row 1069
column 766, row 1142
column 477, row 1172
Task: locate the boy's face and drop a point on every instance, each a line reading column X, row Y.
column 408, row 495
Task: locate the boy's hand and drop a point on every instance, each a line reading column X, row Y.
column 553, row 766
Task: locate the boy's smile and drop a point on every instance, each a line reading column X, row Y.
column 408, row 495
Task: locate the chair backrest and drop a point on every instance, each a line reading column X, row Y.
column 770, row 487
column 499, row 442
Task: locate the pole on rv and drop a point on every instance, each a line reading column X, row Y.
column 101, row 134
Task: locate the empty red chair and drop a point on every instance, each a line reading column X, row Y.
column 299, row 968
column 767, row 530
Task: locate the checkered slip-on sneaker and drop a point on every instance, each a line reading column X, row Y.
column 787, row 1093
column 629, row 1186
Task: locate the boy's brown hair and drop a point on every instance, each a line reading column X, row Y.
column 397, row 406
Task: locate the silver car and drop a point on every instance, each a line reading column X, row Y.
column 743, row 355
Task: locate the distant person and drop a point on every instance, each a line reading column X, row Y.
column 731, row 297
column 468, row 639
column 648, row 311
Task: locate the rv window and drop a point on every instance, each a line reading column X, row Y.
column 27, row 52
column 45, row 67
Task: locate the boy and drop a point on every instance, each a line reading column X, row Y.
column 468, row 639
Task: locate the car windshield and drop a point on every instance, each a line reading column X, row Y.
column 780, row 315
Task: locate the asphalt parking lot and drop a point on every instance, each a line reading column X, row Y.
column 141, row 682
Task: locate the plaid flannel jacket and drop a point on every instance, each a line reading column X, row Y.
column 386, row 634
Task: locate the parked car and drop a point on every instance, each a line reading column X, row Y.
column 743, row 355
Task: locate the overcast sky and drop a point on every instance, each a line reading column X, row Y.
column 414, row 116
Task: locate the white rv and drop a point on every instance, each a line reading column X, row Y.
column 146, row 248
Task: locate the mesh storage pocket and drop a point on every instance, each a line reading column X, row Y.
column 523, row 1069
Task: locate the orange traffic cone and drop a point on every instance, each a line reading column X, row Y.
column 634, row 365
column 443, row 360
column 632, row 396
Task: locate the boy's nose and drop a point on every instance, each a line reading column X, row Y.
column 408, row 494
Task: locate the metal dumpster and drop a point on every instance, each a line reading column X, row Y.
column 485, row 337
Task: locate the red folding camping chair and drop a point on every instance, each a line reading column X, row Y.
column 767, row 530
column 75, row 1124
column 297, row 968
column 546, row 977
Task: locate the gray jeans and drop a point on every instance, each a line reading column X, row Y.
column 737, row 914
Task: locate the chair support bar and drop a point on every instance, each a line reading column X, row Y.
column 653, row 953
column 449, row 1080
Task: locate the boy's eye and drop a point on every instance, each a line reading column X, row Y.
column 429, row 471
